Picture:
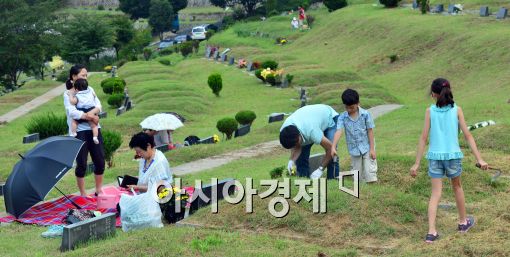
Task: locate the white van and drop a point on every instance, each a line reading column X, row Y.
column 198, row 33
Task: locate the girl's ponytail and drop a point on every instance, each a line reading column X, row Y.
column 442, row 88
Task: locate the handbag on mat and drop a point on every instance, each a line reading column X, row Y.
column 75, row 216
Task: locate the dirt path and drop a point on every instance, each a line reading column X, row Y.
column 260, row 149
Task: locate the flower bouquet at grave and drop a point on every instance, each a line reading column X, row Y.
column 216, row 138
column 108, row 69
column 281, row 41
column 256, row 65
column 241, row 63
column 272, row 77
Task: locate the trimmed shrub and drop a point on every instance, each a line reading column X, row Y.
column 115, row 100
column 245, row 117
column 277, row 172
column 111, row 141
column 147, row 53
column 166, row 51
column 47, row 125
column 113, row 85
column 100, row 7
column 289, row 78
column 333, row 5
column 186, row 48
column 165, row 62
column 215, row 83
column 63, row 76
column 227, row 126
column 273, row 65
column 259, row 76
column 389, row 3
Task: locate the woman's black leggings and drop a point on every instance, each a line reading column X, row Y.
column 96, row 152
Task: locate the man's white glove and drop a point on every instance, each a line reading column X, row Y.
column 317, row 173
column 290, row 168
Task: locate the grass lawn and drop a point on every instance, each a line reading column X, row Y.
column 346, row 48
column 25, row 94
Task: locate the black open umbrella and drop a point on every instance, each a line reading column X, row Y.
column 38, row 171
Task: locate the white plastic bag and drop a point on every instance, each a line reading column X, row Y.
column 139, row 211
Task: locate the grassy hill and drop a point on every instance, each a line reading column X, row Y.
column 346, row 48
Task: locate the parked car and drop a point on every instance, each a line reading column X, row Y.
column 198, row 33
column 181, row 38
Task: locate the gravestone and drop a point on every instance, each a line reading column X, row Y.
column 439, row 8
column 415, row 4
column 114, row 71
column 484, row 11
column 31, row 138
column 249, row 66
column 275, row 117
column 225, row 51
column 502, row 13
column 315, row 161
column 2, row 185
column 451, row 8
column 91, row 229
column 216, row 55
column 209, row 140
column 223, row 58
column 103, row 115
column 207, row 52
column 207, row 190
column 241, row 131
column 162, row 148
column 129, row 105
column 303, row 102
column 126, row 100
column 302, row 93
column 231, row 61
column 285, row 82
column 121, row 110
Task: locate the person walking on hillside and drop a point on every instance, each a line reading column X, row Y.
column 443, row 120
column 311, row 124
column 302, row 16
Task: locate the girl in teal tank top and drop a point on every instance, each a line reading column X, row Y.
column 443, row 121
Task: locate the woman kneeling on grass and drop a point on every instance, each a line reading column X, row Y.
column 445, row 158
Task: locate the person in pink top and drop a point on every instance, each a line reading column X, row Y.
column 302, row 16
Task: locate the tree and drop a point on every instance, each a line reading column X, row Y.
column 178, row 5
column 135, row 47
column 248, row 5
column 86, row 36
column 135, row 8
column 161, row 16
column 333, row 5
column 271, row 6
column 124, row 32
column 22, row 32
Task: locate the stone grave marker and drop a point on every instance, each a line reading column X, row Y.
column 415, row 4
column 231, row 61
column 223, row 58
column 439, row 8
column 285, row 82
column 114, row 71
column 163, row 148
column 103, row 115
column 502, row 13
column 129, row 105
column 91, row 229
column 484, row 11
column 121, row 110
column 216, row 55
column 275, row 117
column 315, row 161
column 207, row 52
column 207, row 191
column 225, row 51
column 451, row 8
column 241, row 131
column 31, row 138
column 126, row 100
column 249, row 66
column 209, row 140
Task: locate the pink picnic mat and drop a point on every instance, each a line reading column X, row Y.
column 53, row 212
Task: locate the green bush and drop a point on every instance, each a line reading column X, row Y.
column 389, row 3
column 289, row 78
column 333, row 5
column 271, row 79
column 245, row 117
column 147, row 53
column 100, row 7
column 47, row 125
column 115, row 100
column 113, row 85
column 63, row 76
column 215, row 83
column 273, row 65
column 228, row 21
column 227, row 126
column 277, row 172
column 238, row 13
column 165, row 62
column 259, row 76
column 209, row 34
column 186, row 48
column 166, row 51
column 111, row 142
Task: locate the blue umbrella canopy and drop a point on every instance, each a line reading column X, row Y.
column 38, row 172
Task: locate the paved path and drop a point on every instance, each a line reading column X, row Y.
column 253, row 151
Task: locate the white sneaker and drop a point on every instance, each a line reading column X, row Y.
column 53, row 231
column 316, row 174
column 96, row 141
